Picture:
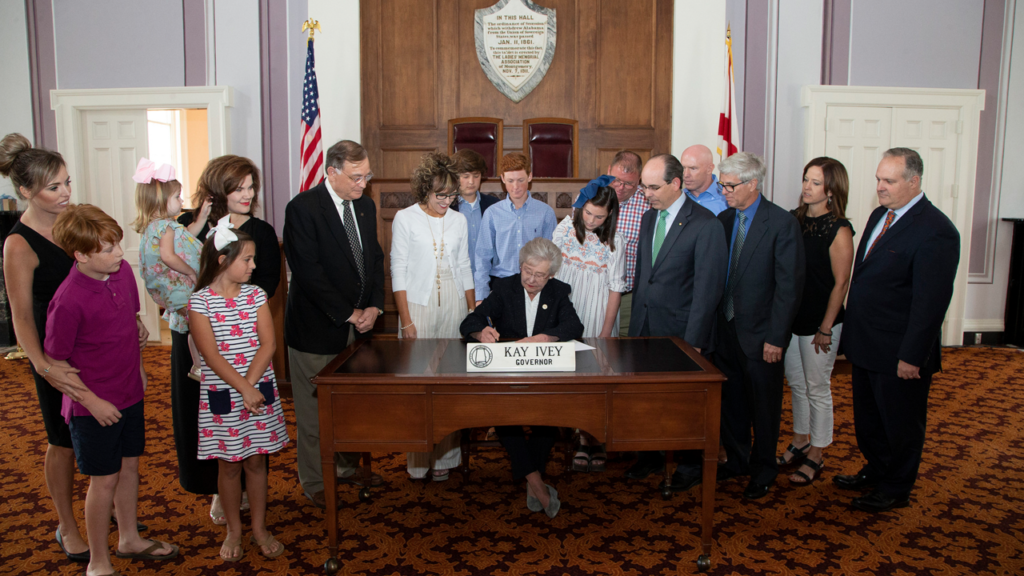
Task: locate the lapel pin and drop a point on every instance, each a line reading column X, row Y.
column 544, row 306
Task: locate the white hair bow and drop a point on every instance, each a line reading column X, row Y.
column 222, row 234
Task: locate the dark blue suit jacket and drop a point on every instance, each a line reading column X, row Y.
column 900, row 293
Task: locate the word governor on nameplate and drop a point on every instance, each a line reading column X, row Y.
column 515, row 357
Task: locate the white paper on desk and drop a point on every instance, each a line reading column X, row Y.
column 581, row 347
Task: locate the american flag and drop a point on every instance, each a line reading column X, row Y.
column 311, row 151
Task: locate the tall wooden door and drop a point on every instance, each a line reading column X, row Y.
column 114, row 142
column 857, row 136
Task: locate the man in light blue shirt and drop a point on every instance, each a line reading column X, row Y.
column 508, row 225
column 699, row 180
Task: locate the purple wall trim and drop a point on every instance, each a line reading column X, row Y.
column 274, row 91
column 988, row 80
column 42, row 70
column 755, row 77
column 839, row 45
column 194, row 25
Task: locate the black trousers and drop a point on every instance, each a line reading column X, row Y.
column 195, row 476
column 527, row 454
column 751, row 400
column 889, row 415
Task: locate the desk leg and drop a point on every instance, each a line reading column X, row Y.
column 707, row 506
column 331, row 517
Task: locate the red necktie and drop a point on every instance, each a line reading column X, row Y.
column 888, row 220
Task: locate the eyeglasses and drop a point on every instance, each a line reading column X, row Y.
column 443, row 197
column 730, row 188
column 358, row 179
column 625, row 184
column 646, row 189
column 535, row 276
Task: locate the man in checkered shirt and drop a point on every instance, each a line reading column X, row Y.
column 624, row 177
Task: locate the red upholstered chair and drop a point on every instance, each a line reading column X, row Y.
column 553, row 147
column 483, row 135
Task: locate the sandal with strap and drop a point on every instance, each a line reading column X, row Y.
column 581, row 460
column 808, row 480
column 799, row 455
column 268, row 543
column 598, row 458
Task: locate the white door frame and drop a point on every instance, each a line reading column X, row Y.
column 69, row 105
column 969, row 103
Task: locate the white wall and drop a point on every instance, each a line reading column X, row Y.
column 237, row 45
column 120, row 44
column 698, row 75
column 337, row 69
column 799, row 64
column 15, row 85
column 298, row 11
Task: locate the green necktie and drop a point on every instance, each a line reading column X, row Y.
column 659, row 233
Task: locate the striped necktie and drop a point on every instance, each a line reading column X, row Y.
column 734, row 263
column 353, row 240
column 888, row 221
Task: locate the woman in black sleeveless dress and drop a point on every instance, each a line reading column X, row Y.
column 828, row 244
column 228, row 185
column 34, row 267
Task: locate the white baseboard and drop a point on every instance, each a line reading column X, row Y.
column 983, row 324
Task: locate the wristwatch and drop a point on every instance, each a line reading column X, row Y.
column 380, row 312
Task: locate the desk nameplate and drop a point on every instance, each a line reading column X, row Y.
column 517, row 357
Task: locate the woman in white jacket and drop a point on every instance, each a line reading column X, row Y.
column 432, row 279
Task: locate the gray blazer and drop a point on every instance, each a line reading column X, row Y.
column 677, row 294
column 770, row 277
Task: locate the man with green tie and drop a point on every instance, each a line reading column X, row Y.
column 681, row 263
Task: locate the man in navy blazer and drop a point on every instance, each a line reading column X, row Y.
column 336, row 292
column 900, row 289
column 762, row 296
column 678, row 285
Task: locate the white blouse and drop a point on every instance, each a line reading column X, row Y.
column 415, row 242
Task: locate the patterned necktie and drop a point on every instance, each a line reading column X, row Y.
column 659, row 232
column 734, row 262
column 353, row 240
column 888, row 220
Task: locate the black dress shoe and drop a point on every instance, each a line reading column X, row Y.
column 643, row 468
column 74, row 557
column 858, row 481
column 879, row 502
column 755, row 491
column 681, row 483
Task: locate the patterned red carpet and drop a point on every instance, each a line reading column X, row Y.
column 967, row 515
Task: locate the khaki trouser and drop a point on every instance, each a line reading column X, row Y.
column 625, row 307
column 304, row 367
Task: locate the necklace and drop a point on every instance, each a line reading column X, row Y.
column 438, row 253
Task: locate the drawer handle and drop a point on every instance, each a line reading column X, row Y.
column 518, row 386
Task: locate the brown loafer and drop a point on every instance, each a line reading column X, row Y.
column 320, row 501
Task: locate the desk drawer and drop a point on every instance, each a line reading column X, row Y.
column 380, row 418
column 569, row 409
column 658, row 420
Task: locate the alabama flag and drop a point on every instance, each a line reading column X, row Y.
column 728, row 125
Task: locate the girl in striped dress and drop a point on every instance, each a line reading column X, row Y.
column 240, row 415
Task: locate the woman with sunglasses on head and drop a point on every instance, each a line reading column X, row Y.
column 432, row 278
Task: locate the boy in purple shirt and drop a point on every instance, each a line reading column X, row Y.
column 93, row 326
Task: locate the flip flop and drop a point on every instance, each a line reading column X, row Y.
column 598, row 458
column 232, row 544
column 147, row 554
column 268, row 542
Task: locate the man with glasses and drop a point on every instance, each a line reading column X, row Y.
column 680, row 275
column 335, row 296
column 624, row 177
column 508, row 225
column 762, row 295
column 699, row 180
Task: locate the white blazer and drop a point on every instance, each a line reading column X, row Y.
column 413, row 263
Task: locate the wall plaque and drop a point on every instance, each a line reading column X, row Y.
column 515, row 43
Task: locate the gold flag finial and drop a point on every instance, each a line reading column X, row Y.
column 728, row 31
column 311, row 25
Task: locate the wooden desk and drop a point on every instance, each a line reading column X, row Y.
column 406, row 395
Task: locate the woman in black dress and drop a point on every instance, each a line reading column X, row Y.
column 34, row 267
column 828, row 244
column 229, row 185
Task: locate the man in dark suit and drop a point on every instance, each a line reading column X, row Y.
column 336, row 293
column 680, row 274
column 762, row 295
column 900, row 289
column 530, row 307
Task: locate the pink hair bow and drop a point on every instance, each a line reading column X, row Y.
column 147, row 171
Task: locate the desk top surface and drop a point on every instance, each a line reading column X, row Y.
column 430, row 361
